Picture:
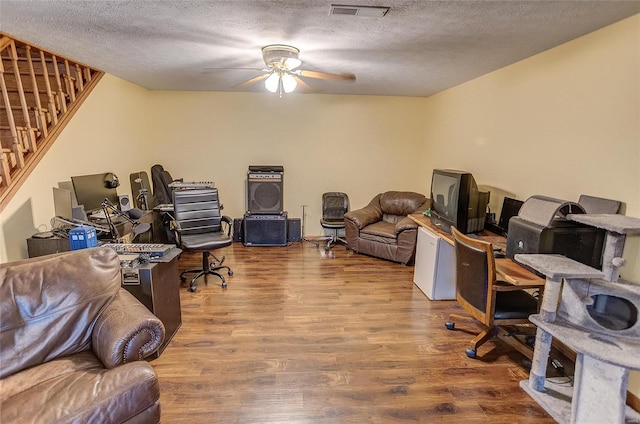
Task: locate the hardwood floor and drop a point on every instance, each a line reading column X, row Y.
column 301, row 336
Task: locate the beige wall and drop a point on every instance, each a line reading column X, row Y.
column 562, row 123
column 360, row 145
column 107, row 134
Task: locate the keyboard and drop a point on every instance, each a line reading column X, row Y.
column 193, row 184
column 154, row 250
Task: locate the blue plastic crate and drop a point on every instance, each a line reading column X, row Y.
column 83, row 237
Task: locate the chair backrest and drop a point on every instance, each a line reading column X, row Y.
column 396, row 205
column 334, row 205
column 66, row 292
column 161, row 179
column 475, row 276
column 197, row 211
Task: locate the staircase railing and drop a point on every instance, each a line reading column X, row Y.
column 40, row 93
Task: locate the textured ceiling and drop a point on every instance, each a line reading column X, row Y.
column 419, row 48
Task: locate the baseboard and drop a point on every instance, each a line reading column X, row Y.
column 633, row 401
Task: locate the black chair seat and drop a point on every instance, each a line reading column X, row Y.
column 206, row 241
column 332, row 224
column 515, row 305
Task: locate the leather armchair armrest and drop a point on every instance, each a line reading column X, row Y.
column 365, row 216
column 126, row 331
column 405, row 223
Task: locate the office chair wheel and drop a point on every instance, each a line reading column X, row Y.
column 230, row 273
column 224, row 284
column 471, row 353
column 450, row 325
column 183, row 279
column 192, row 289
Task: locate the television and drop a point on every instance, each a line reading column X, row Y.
column 91, row 190
column 456, row 201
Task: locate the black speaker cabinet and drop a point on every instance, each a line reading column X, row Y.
column 294, row 229
column 238, row 229
column 264, row 192
column 265, row 230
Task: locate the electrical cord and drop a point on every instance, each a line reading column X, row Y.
column 557, row 365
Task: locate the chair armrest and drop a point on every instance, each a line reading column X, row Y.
column 405, row 223
column 126, row 331
column 229, row 221
column 365, row 216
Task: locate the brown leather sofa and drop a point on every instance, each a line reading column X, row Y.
column 382, row 228
column 72, row 343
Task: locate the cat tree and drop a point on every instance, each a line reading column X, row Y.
column 595, row 313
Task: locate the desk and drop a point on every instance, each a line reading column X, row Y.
column 506, row 269
column 443, row 280
column 39, row 246
column 157, row 286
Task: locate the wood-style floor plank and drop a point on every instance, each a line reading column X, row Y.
column 304, row 336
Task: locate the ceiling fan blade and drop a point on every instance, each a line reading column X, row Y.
column 326, row 75
column 303, row 85
column 251, row 81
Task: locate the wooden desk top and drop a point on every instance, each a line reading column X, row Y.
column 506, row 269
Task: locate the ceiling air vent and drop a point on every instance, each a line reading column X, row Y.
column 367, row 11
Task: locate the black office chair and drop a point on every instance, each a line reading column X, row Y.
column 161, row 179
column 334, row 205
column 199, row 226
column 500, row 307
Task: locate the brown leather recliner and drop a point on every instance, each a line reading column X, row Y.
column 382, row 228
column 72, row 343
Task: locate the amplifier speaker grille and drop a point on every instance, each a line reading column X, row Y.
column 264, row 193
column 265, row 230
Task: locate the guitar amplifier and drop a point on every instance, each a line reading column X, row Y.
column 265, row 192
column 265, row 230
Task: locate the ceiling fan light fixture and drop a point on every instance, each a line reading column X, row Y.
column 289, row 83
column 275, row 54
column 272, row 82
column 292, row 63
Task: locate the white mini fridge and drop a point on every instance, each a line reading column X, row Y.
column 434, row 271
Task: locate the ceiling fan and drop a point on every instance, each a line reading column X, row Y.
column 281, row 74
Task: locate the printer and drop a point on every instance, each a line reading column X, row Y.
column 542, row 227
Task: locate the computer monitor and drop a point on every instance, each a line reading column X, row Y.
column 92, row 190
column 62, row 203
column 510, row 208
column 456, row 201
